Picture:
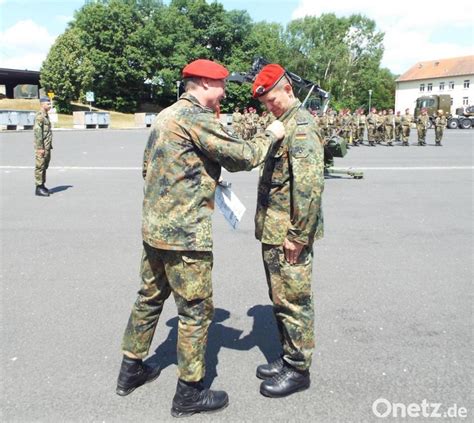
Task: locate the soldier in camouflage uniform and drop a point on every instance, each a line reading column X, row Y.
column 372, row 126
column 440, row 124
column 380, row 129
column 389, row 124
column 237, row 122
column 43, row 146
column 422, row 122
column 287, row 221
column 361, row 124
column 182, row 164
column 407, row 120
column 398, row 126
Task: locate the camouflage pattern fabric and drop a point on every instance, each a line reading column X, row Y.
column 421, row 126
column 289, row 288
column 186, row 274
column 41, row 165
column 371, row 126
column 291, row 184
column 182, row 164
column 43, row 140
column 43, row 131
column 389, row 123
column 440, row 124
column 398, row 127
column 406, row 121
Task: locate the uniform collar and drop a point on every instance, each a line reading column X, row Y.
column 194, row 101
column 285, row 117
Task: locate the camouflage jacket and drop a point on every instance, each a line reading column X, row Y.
column 42, row 131
column 422, row 121
column 182, row 163
column 440, row 122
column 371, row 120
column 291, row 184
column 407, row 120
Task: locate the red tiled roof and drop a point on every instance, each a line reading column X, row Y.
column 440, row 68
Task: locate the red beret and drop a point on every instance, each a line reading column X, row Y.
column 205, row 69
column 267, row 78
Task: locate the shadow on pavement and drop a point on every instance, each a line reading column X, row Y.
column 59, row 188
column 263, row 336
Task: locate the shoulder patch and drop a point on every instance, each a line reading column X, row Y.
column 301, row 120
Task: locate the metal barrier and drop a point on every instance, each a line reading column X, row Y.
column 83, row 120
column 17, row 119
column 144, row 120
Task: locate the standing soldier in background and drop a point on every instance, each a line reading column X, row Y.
column 331, row 121
column 324, row 126
column 237, row 122
column 287, row 222
column 398, row 126
column 355, row 127
column 346, row 125
column 361, row 123
column 43, row 146
column 371, row 126
column 440, row 124
column 389, row 124
column 380, row 132
column 422, row 123
column 406, row 120
column 182, row 164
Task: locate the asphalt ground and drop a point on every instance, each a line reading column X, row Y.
column 392, row 285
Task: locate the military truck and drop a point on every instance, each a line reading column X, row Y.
column 462, row 118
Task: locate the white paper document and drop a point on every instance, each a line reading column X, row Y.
column 229, row 205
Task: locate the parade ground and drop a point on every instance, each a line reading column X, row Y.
column 392, row 285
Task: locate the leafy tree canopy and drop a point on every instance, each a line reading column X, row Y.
column 131, row 52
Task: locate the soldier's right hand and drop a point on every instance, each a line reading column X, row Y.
column 277, row 128
column 40, row 152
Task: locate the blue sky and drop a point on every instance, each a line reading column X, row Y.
column 414, row 31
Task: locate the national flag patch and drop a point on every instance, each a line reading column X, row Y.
column 300, row 135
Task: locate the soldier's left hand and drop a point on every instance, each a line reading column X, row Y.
column 292, row 250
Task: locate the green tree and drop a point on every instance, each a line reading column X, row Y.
column 67, row 69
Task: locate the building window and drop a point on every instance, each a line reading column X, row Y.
column 441, row 86
column 429, row 87
column 466, row 83
column 465, row 101
column 451, row 85
column 422, row 87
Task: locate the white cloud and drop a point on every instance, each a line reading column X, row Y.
column 24, row 45
column 410, row 27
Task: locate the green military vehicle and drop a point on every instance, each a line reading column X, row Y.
column 463, row 118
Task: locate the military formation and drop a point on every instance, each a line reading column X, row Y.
column 378, row 127
column 249, row 122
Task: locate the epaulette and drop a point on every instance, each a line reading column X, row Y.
column 301, row 119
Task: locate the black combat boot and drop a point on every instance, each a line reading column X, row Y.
column 133, row 373
column 285, row 383
column 266, row 371
column 192, row 398
column 41, row 191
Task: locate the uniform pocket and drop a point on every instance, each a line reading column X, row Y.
column 191, row 276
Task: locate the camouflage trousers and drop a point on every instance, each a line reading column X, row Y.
column 289, row 288
column 405, row 134
column 421, row 134
column 398, row 132
column 41, row 166
column 186, row 274
column 388, row 133
column 438, row 134
column 371, row 136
